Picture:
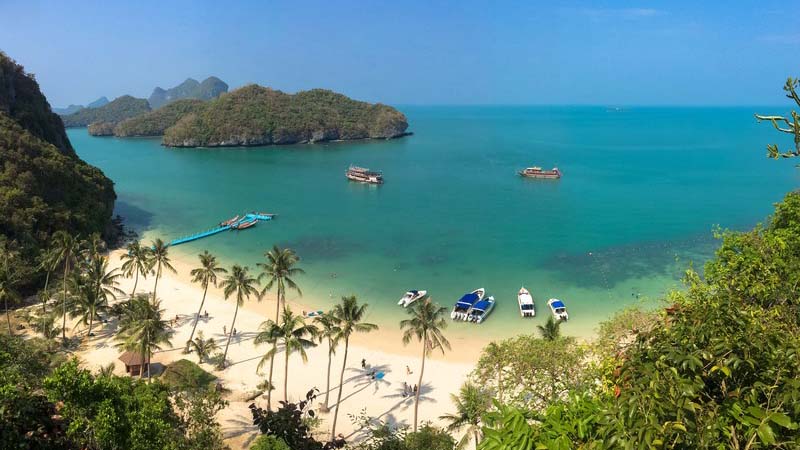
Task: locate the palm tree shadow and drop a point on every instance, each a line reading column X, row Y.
column 241, row 426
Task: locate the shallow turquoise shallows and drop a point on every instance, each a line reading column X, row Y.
column 642, row 190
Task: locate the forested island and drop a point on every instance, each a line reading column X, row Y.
column 119, row 109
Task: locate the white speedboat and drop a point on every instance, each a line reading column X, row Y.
column 410, row 297
column 481, row 310
column 465, row 303
column 558, row 308
column 526, row 306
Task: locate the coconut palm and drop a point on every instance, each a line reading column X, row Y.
column 205, row 274
column 426, row 324
column 66, row 248
column 293, row 334
column 328, row 330
column 202, row 347
column 48, row 261
column 239, row 282
column 350, row 316
column 93, row 246
column 94, row 287
column 106, row 371
column 136, row 261
column 46, row 326
column 279, row 270
column 551, row 329
column 142, row 330
column 159, row 258
column 472, row 403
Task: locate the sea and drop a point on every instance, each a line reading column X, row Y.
column 643, row 190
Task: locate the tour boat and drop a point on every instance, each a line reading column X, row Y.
column 411, row 296
column 363, row 175
column 558, row 308
column 230, row 221
column 480, row 310
column 243, row 225
column 526, row 306
column 465, row 303
column 537, row 172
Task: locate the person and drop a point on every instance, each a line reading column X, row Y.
column 206, row 314
column 416, row 388
column 225, row 330
column 234, row 331
column 408, row 370
column 363, row 363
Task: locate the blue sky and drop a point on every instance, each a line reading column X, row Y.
column 422, row 52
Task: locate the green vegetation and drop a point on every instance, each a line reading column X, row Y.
column 119, row 109
column 185, row 375
column 154, row 123
column 786, row 124
column 210, row 88
column 44, row 187
column 241, row 285
column 255, row 115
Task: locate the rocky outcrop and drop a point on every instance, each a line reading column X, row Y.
column 210, row 88
column 102, row 128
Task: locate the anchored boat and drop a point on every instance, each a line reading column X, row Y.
column 481, row 310
column 364, row 175
column 558, row 308
column 411, row 296
column 465, row 303
column 537, row 172
column 526, row 306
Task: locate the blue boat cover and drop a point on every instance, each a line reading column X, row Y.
column 414, row 291
column 482, row 305
column 467, row 300
column 558, row 304
column 379, row 375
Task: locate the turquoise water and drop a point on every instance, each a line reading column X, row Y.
column 641, row 192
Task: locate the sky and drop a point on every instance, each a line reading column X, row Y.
column 676, row 52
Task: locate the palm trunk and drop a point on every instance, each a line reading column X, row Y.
column 44, row 298
column 328, row 379
column 91, row 320
column 230, row 334
column 197, row 319
column 269, row 390
column 64, row 304
column 149, row 355
column 477, row 439
column 135, row 282
column 155, row 287
column 419, row 385
column 8, row 316
column 274, row 346
column 341, row 388
column 286, row 377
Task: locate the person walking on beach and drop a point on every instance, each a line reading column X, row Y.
column 408, row 371
column 363, row 363
column 225, row 330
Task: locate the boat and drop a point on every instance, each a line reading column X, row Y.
column 480, row 310
column 526, row 306
column 411, row 296
column 315, row 313
column 247, row 224
column 464, row 304
column 363, row 175
column 230, row 221
column 558, row 308
column 538, row 172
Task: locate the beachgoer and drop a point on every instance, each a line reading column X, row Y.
column 408, row 371
column 234, row 331
column 225, row 330
column 363, row 363
column 206, row 314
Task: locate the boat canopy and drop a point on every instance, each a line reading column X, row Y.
column 414, row 291
column 558, row 304
column 467, row 300
column 481, row 305
column 527, row 306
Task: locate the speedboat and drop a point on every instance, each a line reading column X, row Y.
column 525, row 300
column 480, row 310
column 411, row 296
column 558, row 308
column 465, row 303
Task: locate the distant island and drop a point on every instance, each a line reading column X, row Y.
column 114, row 112
column 210, row 88
column 71, row 109
column 256, row 115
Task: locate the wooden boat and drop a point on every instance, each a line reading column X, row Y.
column 525, row 301
column 481, row 310
column 465, row 303
column 558, row 308
column 537, row 172
column 243, row 225
column 411, row 296
column 230, row 221
column 363, row 175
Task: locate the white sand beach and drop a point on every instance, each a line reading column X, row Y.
column 382, row 350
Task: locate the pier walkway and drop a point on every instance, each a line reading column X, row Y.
column 231, row 226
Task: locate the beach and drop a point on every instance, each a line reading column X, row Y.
column 382, row 350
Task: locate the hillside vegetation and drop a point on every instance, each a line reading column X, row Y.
column 255, row 115
column 114, row 112
column 154, row 123
column 210, row 88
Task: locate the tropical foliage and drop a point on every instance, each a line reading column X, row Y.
column 786, row 124
column 155, row 122
column 117, row 110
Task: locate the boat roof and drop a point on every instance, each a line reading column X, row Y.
column 525, row 299
column 482, row 305
column 467, row 300
column 414, row 291
column 557, row 304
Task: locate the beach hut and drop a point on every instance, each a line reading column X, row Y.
column 134, row 363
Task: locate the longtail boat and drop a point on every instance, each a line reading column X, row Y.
column 537, row 172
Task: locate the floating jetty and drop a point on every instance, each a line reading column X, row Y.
column 249, row 219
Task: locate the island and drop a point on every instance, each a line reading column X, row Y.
column 116, row 111
column 209, row 88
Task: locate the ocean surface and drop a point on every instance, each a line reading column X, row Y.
column 643, row 189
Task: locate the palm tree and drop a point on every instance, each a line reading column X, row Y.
column 106, row 371
column 426, row 324
column 159, row 258
column 203, row 347
column 46, row 325
column 94, row 287
column 279, row 270
column 551, row 329
column 293, row 334
column 94, row 246
column 239, row 282
column 472, row 403
column 495, row 356
column 66, row 248
column 136, row 261
column 48, row 261
column 205, row 274
column 328, row 330
column 350, row 316
column 142, row 330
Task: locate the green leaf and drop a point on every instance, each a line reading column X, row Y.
column 765, row 433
